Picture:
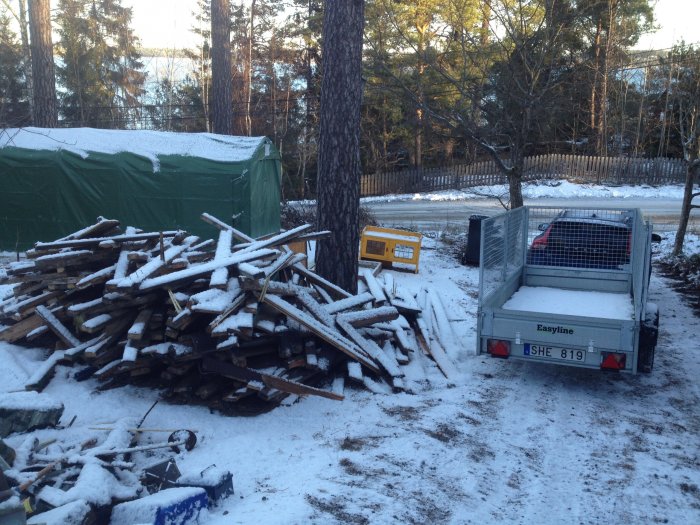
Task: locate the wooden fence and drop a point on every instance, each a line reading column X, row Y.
column 577, row 168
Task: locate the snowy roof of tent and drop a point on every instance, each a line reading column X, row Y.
column 144, row 143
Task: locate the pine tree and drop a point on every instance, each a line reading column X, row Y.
column 44, row 78
column 14, row 104
column 178, row 106
column 222, row 88
column 339, row 165
column 101, row 71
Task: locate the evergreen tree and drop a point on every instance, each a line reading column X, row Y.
column 14, row 104
column 304, row 61
column 178, row 106
column 101, row 71
column 339, row 142
column 222, row 88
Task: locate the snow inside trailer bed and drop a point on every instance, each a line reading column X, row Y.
column 545, row 300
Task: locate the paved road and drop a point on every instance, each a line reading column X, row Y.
column 431, row 215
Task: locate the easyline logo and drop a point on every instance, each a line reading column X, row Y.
column 554, row 329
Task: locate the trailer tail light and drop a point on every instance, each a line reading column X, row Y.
column 498, row 348
column 611, row 361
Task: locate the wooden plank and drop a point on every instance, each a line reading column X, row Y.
column 148, row 269
column 79, row 243
column 374, row 287
column 101, row 227
column 326, row 333
column 57, row 327
column 99, row 322
column 20, row 310
column 369, row 317
column 334, row 290
column 204, row 268
column 98, row 277
column 42, row 375
column 275, row 240
column 283, row 261
column 435, row 350
column 371, row 348
column 211, row 365
column 230, row 309
column 138, row 329
column 219, row 277
column 19, row 330
column 353, row 301
column 210, row 219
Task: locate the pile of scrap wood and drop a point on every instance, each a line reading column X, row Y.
column 84, row 476
column 210, row 320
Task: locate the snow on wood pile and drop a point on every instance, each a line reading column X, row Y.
column 212, row 321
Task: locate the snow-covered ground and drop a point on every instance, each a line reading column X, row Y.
column 551, row 189
column 508, row 442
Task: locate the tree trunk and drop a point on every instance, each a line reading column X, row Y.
column 515, row 178
column 339, row 142
column 249, row 73
column 594, row 101
column 222, row 87
column 26, row 51
column 44, row 79
column 690, row 178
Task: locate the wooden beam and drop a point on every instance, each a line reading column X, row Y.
column 138, row 329
column 134, row 279
column 246, row 375
column 372, row 349
column 333, row 289
column 79, row 243
column 351, row 302
column 19, row 330
column 275, row 240
column 43, row 373
column 57, row 327
column 203, row 269
column 24, row 308
column 223, row 226
column 328, row 334
column 369, row 317
column 101, row 227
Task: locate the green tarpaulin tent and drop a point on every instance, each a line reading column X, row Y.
column 56, row 181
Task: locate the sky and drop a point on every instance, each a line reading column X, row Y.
column 167, row 23
column 164, row 23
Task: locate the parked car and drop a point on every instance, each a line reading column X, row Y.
column 579, row 240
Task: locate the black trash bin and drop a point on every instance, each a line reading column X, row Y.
column 471, row 254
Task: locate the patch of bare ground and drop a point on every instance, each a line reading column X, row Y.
column 336, row 508
column 684, row 272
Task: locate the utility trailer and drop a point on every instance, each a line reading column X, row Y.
column 568, row 286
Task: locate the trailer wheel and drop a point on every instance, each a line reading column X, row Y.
column 648, row 335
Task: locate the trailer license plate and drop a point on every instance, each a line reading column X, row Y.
column 553, row 352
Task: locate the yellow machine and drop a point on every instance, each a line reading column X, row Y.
column 390, row 245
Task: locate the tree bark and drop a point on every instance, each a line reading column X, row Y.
column 45, row 114
column 222, row 83
column 339, row 166
column 26, row 51
column 249, row 72
column 690, row 179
